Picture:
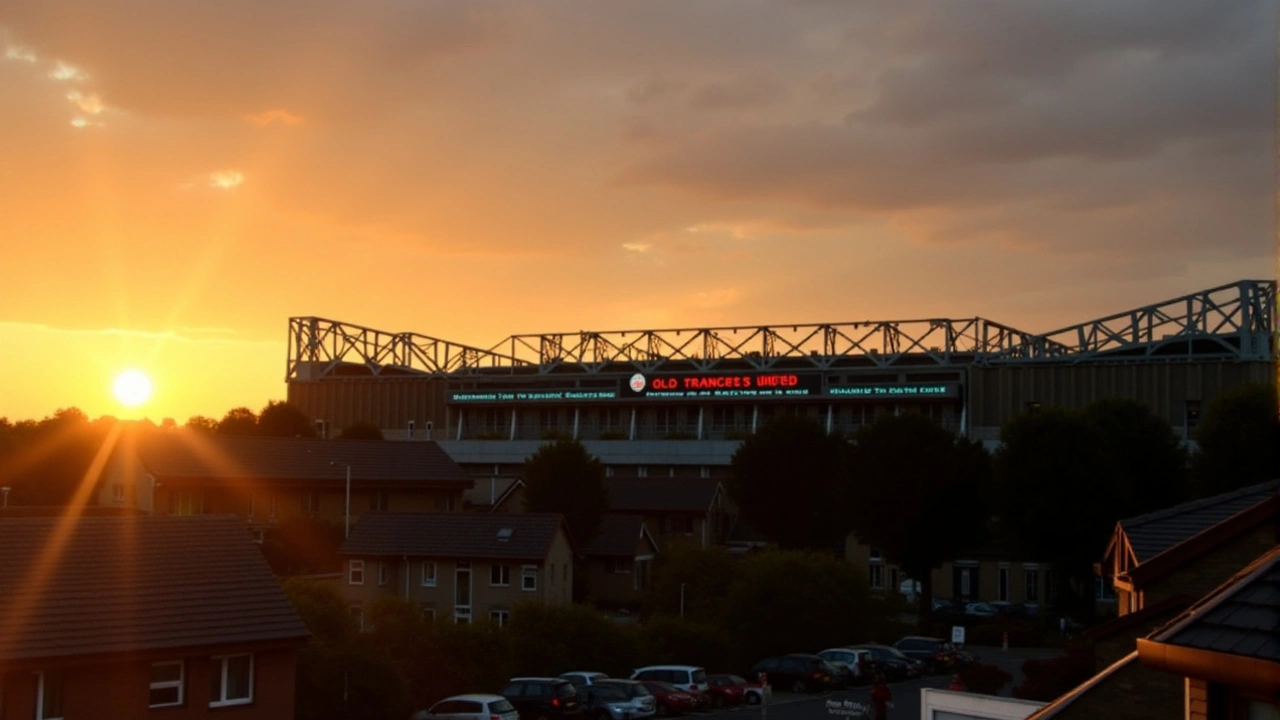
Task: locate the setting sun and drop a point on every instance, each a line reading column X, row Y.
column 132, row 388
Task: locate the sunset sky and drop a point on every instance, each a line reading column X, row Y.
column 179, row 177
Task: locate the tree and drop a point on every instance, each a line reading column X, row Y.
column 361, row 431
column 200, row 423
column 706, row 574
column 1143, row 453
column 785, row 480
column 1236, row 441
column 280, row 419
column 238, row 421
column 916, row 492
column 323, row 610
column 562, row 477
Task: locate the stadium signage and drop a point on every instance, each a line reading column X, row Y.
column 896, row 391
column 723, row 385
column 713, row 386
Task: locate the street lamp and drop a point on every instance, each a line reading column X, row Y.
column 347, row 515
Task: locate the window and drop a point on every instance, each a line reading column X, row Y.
column 966, row 582
column 166, row 684
column 1033, row 586
column 1003, row 589
column 499, row 575
column 679, row 524
column 529, row 578
column 117, row 492
column 1102, row 589
column 877, row 576
column 231, row 680
column 622, row 565
column 187, row 503
column 49, row 696
column 428, row 574
column 499, row 617
column 355, row 572
column 383, row 575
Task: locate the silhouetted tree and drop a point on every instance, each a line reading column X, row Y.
column 916, row 492
column 785, row 481
column 45, row 462
column 280, row 419
column 1143, row 454
column 200, row 423
column 706, row 574
column 238, row 421
column 1237, row 439
column 361, row 431
column 562, row 477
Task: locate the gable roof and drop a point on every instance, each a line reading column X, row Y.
column 1229, row 635
column 489, row 493
column 123, row 584
column 618, row 537
column 455, row 535
column 1151, row 534
column 185, row 454
column 639, row 495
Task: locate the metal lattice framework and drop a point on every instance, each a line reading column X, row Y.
column 1233, row 321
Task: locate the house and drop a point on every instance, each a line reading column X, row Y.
column 459, row 565
column 676, row 510
column 142, row 617
column 618, row 561
column 1225, row 649
column 266, row 480
column 1190, row 548
column 495, row 494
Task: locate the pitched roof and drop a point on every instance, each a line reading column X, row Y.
column 1153, row 533
column 200, row 456
column 632, row 495
column 454, row 535
column 489, row 492
column 120, row 584
column 618, row 537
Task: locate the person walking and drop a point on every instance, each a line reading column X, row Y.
column 956, row 685
column 880, row 697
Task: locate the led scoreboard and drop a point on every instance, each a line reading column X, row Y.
column 723, row 385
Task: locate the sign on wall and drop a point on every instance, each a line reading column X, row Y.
column 744, row 386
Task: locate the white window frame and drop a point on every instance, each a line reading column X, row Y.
column 429, row 581
column 501, row 618
column 353, row 567
column 504, row 575
column 384, row 577
column 180, row 683
column 876, row 580
column 40, row 688
column 221, row 662
column 527, row 573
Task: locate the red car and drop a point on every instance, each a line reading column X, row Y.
column 672, row 700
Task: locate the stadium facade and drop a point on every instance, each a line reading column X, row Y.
column 677, row 402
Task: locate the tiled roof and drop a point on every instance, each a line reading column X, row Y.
column 454, row 535
column 199, row 456
column 122, row 584
column 663, row 494
column 1151, row 534
column 618, row 537
column 488, row 491
column 1241, row 617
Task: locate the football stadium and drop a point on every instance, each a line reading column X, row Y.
column 676, row 402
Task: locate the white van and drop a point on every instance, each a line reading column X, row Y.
column 685, row 677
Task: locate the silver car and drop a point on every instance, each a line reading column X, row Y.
column 469, row 707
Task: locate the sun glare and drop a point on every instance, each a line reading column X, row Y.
column 132, row 388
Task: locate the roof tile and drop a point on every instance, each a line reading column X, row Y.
column 454, row 535
column 1153, row 533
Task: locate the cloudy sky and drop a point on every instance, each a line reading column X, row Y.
column 178, row 178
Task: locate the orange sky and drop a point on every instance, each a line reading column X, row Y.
column 177, row 178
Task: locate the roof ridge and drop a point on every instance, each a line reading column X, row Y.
column 1199, row 504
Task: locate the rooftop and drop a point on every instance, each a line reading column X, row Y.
column 618, row 537
column 1153, row 533
column 516, row 536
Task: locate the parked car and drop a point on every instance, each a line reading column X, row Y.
column 685, row 677
column 980, row 609
column 892, row 663
column 798, row 673
column 543, row 697
column 469, row 707
column 937, row 654
column 857, row 662
column 946, row 608
column 634, row 690
column 583, row 679
column 670, row 699
column 746, row 692
column 607, row 702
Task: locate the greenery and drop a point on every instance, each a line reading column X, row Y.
column 280, row 419
column 706, row 574
column 1236, row 439
column 562, row 477
column 303, row 545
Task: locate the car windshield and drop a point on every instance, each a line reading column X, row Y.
column 609, row 694
column 566, row 690
column 699, row 676
column 500, row 707
column 664, row 687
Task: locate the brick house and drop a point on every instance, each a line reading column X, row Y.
column 142, row 617
column 675, row 510
column 618, row 561
column 265, row 480
column 495, row 494
column 459, row 566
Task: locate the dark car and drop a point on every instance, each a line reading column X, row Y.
column 798, row 673
column 937, row 654
column 543, row 697
column 890, row 662
column 635, row 691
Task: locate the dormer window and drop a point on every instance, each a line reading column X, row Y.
column 504, row 535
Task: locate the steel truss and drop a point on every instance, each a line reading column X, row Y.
column 1233, row 321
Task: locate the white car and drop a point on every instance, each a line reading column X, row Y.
column 857, row 662
column 685, row 677
column 470, row 707
column 581, row 679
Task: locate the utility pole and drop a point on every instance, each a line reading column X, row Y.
column 681, row 601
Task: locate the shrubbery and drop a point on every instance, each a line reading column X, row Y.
column 1046, row 679
column 984, row 679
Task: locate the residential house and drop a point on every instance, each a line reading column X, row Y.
column 676, row 510
column 142, row 617
column 1190, row 548
column 495, row 494
column 459, row 566
column 266, row 480
column 618, row 561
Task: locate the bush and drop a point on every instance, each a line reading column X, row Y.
column 984, row 679
column 667, row 640
column 551, row 639
column 1046, row 679
column 457, row 659
column 322, row 609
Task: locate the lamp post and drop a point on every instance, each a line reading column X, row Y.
column 681, row 601
column 346, row 532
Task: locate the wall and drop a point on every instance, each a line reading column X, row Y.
column 1131, row 692
column 947, row 705
column 1200, row 575
column 389, row 402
